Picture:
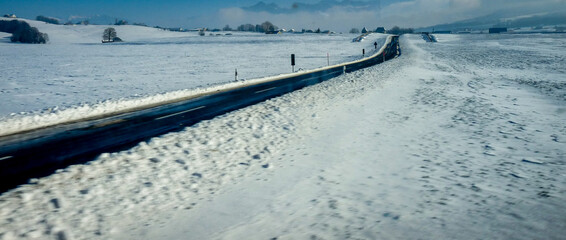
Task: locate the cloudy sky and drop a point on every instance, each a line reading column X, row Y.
column 337, row 15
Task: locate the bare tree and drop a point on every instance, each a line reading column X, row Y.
column 398, row 30
column 246, row 28
column 109, row 34
column 268, row 26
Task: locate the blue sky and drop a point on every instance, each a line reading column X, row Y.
column 129, row 8
column 217, row 13
column 125, row 8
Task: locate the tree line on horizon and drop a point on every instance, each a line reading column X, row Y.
column 264, row 27
column 52, row 20
column 399, row 31
column 394, row 30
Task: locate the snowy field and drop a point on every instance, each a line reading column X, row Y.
column 75, row 75
column 460, row 139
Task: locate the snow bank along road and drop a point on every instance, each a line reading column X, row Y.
column 75, row 70
column 456, row 140
column 460, row 139
column 38, row 152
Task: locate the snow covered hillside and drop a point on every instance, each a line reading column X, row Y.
column 76, row 72
column 460, row 139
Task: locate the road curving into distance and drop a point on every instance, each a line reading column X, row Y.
column 40, row 152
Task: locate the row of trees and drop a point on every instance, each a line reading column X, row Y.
column 395, row 30
column 364, row 30
column 47, row 19
column 120, row 22
column 22, row 32
column 83, row 22
column 264, row 27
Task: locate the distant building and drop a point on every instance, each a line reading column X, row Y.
column 176, row 29
column 196, row 30
column 442, row 32
column 498, row 30
column 380, row 30
column 364, row 30
column 10, row 16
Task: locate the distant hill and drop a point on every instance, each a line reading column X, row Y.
column 97, row 19
column 65, row 34
column 266, row 7
column 503, row 19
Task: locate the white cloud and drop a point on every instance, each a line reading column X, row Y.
column 337, row 19
column 415, row 13
column 421, row 13
column 418, row 13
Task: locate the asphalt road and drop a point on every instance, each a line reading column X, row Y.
column 40, row 152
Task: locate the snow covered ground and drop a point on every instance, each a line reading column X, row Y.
column 460, row 139
column 76, row 76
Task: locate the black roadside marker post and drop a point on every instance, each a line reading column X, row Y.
column 293, row 62
column 363, row 52
column 236, row 75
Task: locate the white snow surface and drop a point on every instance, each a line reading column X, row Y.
column 75, row 76
column 460, row 139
